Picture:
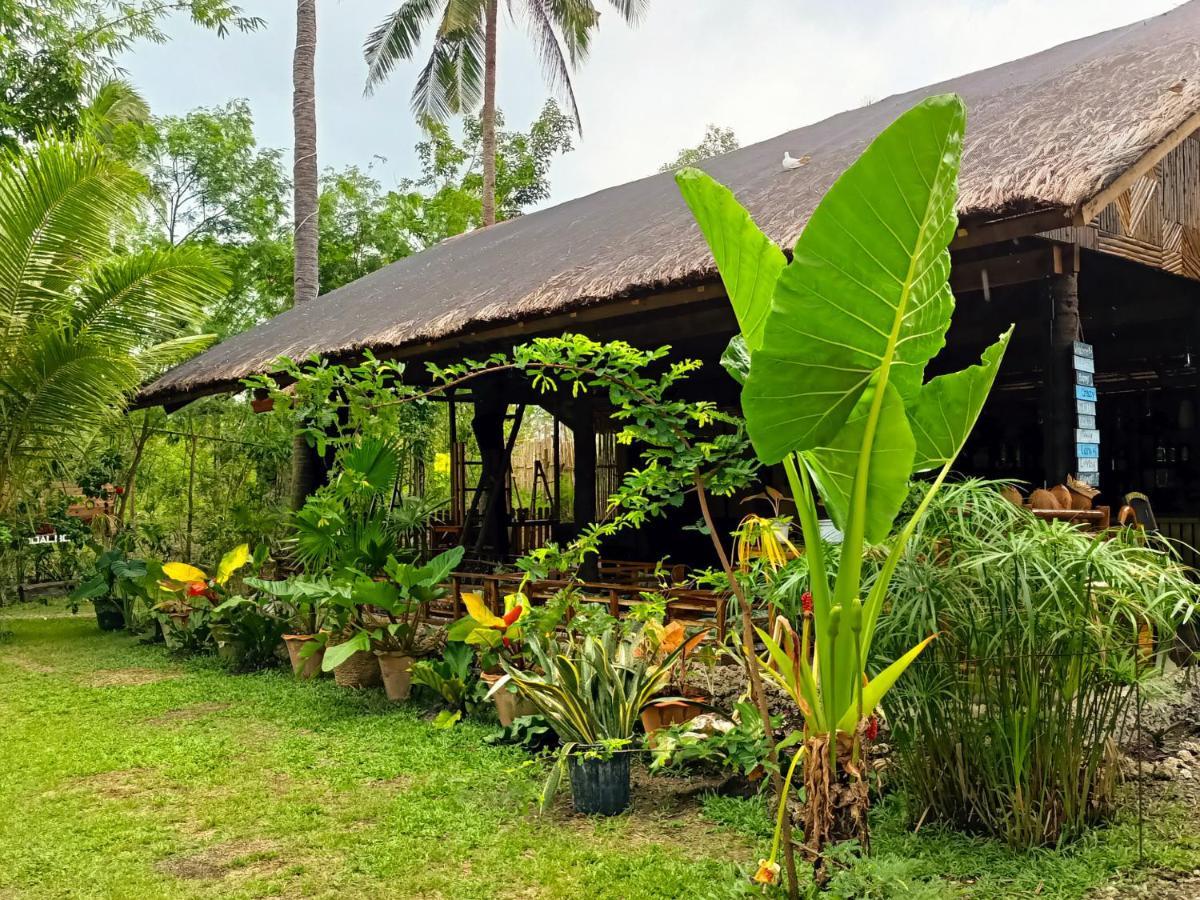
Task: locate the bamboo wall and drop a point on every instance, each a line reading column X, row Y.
column 1156, row 221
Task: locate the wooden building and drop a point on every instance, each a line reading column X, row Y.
column 1079, row 216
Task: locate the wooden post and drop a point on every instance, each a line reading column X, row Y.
column 584, row 429
column 1058, row 408
column 488, row 426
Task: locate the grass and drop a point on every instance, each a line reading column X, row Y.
column 126, row 774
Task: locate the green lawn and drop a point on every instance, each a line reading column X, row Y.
column 125, row 773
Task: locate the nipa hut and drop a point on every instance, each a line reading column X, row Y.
column 1079, row 220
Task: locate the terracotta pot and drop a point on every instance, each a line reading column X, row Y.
column 395, row 669
column 361, row 670
column 665, row 713
column 303, row 669
column 510, row 705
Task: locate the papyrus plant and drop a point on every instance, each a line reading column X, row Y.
column 837, row 340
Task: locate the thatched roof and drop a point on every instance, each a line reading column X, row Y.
column 1050, row 130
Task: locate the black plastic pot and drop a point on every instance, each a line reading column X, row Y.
column 600, row 787
column 109, row 615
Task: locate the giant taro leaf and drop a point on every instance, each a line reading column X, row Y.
column 834, row 467
column 749, row 261
column 866, row 289
column 947, row 407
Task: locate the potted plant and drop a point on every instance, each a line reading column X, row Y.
column 451, row 679
column 302, row 604
column 494, row 634
column 192, row 594
column 384, row 622
column 682, row 703
column 591, row 691
column 115, row 586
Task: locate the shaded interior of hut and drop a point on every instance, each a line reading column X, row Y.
column 1142, row 326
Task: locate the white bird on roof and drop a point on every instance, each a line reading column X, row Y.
column 790, row 162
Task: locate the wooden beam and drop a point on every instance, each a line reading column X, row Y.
column 1013, row 268
column 1092, row 208
column 976, row 234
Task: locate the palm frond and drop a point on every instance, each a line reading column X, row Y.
column 451, row 82
column 59, row 206
column 116, row 102
column 142, row 296
column 573, row 20
column 396, row 38
column 632, row 11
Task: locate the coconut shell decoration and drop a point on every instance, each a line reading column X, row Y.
column 1043, row 499
column 1062, row 495
column 1083, row 494
column 1012, row 495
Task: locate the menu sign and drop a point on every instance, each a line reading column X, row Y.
column 1087, row 437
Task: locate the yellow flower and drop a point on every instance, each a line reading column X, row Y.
column 768, row 872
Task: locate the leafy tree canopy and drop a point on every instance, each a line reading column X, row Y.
column 214, row 185
column 717, row 140
column 55, row 53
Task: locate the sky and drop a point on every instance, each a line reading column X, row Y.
column 760, row 67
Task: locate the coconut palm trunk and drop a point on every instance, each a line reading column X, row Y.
column 306, row 466
column 489, row 113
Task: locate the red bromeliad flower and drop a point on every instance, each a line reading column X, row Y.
column 872, row 728
column 197, row 589
column 511, row 616
column 806, row 603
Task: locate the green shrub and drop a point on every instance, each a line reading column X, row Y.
column 1008, row 724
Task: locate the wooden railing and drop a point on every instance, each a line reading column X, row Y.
column 693, row 607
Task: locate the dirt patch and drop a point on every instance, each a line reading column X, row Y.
column 240, row 858
column 128, row 677
column 664, row 811
column 30, row 665
column 116, row 785
column 400, row 783
column 187, row 713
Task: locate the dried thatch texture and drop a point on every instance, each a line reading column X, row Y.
column 1050, row 130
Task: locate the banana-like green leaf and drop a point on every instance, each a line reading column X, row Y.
column 947, row 407
column 338, row 653
column 867, row 287
column 877, row 687
column 892, row 448
column 748, row 260
column 736, row 359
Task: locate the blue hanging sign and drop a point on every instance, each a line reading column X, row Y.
column 1085, row 392
column 1087, row 451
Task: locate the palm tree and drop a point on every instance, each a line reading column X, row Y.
column 462, row 63
column 305, row 273
column 83, row 319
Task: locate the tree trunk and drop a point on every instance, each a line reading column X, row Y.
column 304, row 167
column 126, row 508
column 489, row 115
column 306, row 467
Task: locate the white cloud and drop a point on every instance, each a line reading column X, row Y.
column 759, row 66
